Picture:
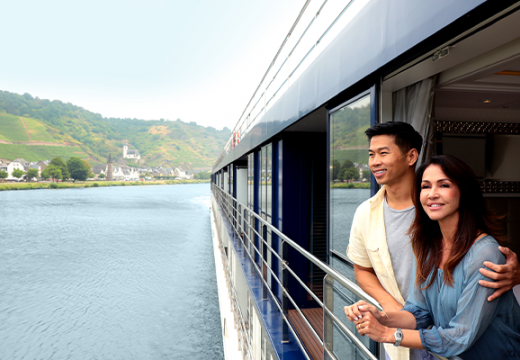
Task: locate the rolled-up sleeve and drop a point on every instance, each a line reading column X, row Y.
column 474, row 312
column 356, row 250
column 416, row 304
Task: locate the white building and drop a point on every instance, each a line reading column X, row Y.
column 13, row 165
column 130, row 154
column 131, row 174
column 182, row 174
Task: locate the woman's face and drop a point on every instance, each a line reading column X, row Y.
column 440, row 197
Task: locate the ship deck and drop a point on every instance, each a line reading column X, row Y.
column 315, row 317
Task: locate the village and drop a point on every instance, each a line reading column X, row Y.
column 119, row 170
column 99, row 172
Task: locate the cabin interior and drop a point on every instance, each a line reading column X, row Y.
column 475, row 113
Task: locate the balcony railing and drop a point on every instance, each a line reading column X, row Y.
column 247, row 226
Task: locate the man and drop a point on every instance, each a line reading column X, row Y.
column 379, row 245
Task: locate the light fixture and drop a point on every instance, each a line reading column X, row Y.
column 486, row 101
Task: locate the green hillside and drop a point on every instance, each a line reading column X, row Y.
column 33, row 128
column 349, row 141
column 12, row 129
column 40, row 152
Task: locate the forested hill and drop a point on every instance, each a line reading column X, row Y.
column 36, row 129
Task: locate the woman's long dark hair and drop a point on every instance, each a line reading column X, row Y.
column 474, row 219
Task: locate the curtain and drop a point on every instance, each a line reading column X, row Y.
column 413, row 104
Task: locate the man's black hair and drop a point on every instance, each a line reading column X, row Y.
column 405, row 136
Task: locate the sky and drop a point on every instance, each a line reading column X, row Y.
column 194, row 60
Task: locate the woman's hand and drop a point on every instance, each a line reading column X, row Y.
column 369, row 325
column 354, row 312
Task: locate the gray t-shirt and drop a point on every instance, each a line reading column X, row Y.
column 397, row 224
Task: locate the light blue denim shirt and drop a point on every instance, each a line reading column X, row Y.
column 461, row 320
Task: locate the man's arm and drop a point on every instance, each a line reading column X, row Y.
column 368, row 281
column 506, row 276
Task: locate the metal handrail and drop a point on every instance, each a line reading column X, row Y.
column 276, row 302
column 285, row 292
column 347, row 283
column 227, row 201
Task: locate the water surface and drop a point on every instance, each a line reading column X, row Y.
column 108, row 273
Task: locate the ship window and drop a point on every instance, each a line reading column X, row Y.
column 280, row 183
column 349, row 177
column 231, row 179
column 250, row 180
column 266, row 194
column 263, row 181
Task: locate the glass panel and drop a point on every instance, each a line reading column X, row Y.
column 269, row 182
column 335, row 298
column 251, row 198
column 349, row 172
column 231, row 179
column 280, row 183
column 263, row 182
column 250, row 180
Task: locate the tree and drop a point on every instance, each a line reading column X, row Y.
column 203, row 175
column 351, row 174
column 77, row 168
column 32, row 173
column 366, row 174
column 45, row 173
column 17, row 173
column 101, row 176
column 335, row 169
column 52, row 172
column 89, row 167
column 60, row 164
column 347, row 164
column 3, row 174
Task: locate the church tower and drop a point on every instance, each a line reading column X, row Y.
column 125, row 149
column 110, row 171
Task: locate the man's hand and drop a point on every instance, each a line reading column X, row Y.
column 369, row 325
column 506, row 276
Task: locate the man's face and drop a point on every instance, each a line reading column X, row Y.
column 386, row 161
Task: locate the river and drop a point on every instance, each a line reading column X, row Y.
column 108, row 273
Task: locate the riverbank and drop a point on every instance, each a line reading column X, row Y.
column 351, row 186
column 88, row 184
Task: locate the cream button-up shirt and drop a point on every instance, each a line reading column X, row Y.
column 368, row 248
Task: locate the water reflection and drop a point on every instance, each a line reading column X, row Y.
column 344, row 203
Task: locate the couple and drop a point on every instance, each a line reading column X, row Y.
column 452, row 236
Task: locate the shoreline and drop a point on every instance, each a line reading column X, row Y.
column 71, row 185
column 351, row 186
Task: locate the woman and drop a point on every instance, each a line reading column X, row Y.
column 447, row 311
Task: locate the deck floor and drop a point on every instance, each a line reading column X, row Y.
column 315, row 317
